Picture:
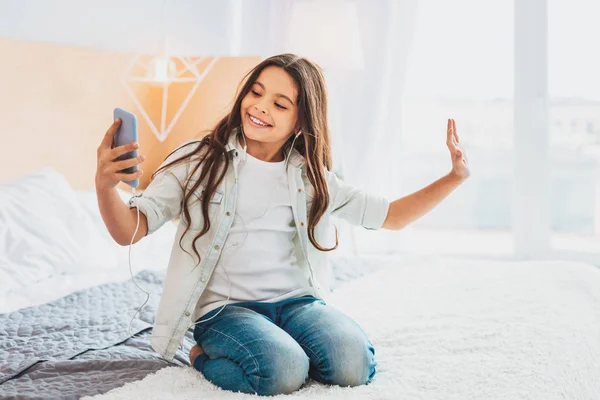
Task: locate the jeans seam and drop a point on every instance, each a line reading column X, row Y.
column 313, row 353
column 245, row 348
column 319, row 358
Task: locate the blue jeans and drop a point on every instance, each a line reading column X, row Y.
column 273, row 348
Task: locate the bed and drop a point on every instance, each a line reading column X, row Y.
column 442, row 328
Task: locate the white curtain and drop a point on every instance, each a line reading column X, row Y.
column 365, row 89
column 468, row 68
column 369, row 101
column 364, row 104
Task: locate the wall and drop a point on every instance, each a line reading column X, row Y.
column 57, row 102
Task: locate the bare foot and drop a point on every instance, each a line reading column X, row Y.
column 195, row 352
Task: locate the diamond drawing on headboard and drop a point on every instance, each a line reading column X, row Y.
column 186, row 72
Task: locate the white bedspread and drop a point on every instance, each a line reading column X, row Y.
column 454, row 329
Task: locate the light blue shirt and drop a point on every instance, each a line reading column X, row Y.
column 186, row 280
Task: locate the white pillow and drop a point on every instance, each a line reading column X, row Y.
column 89, row 203
column 45, row 231
column 152, row 252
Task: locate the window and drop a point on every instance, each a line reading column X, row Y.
column 461, row 67
column 575, row 151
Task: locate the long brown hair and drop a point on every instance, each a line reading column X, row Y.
column 313, row 144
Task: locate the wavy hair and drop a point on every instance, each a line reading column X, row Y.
column 313, row 144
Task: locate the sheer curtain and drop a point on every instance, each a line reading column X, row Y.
column 527, row 116
column 519, row 79
column 365, row 102
column 364, row 95
column 370, row 99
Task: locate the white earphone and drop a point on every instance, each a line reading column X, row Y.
column 245, row 154
column 292, row 147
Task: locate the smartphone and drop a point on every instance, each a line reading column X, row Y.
column 127, row 133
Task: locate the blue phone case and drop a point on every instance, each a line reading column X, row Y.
column 127, row 133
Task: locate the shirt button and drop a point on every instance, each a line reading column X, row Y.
column 217, row 246
column 202, row 279
column 187, row 313
column 228, row 213
column 299, row 190
column 301, row 223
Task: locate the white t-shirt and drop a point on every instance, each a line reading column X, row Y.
column 259, row 254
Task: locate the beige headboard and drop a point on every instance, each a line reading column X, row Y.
column 57, row 102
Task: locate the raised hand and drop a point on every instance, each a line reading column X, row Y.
column 460, row 163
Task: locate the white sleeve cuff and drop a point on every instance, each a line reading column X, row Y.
column 376, row 210
column 150, row 210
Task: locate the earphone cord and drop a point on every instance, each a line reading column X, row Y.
column 130, row 269
column 226, row 273
column 148, row 294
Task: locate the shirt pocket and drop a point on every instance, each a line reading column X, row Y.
column 215, row 207
column 216, row 198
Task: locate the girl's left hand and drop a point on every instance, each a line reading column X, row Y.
column 460, row 164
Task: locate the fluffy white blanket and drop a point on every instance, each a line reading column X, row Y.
column 453, row 329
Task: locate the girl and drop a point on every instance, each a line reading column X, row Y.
column 255, row 197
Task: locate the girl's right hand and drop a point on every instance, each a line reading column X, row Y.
column 107, row 170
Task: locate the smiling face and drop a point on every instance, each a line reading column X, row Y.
column 269, row 113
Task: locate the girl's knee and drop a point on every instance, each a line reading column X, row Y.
column 286, row 372
column 352, row 365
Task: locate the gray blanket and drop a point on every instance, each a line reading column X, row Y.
column 79, row 345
